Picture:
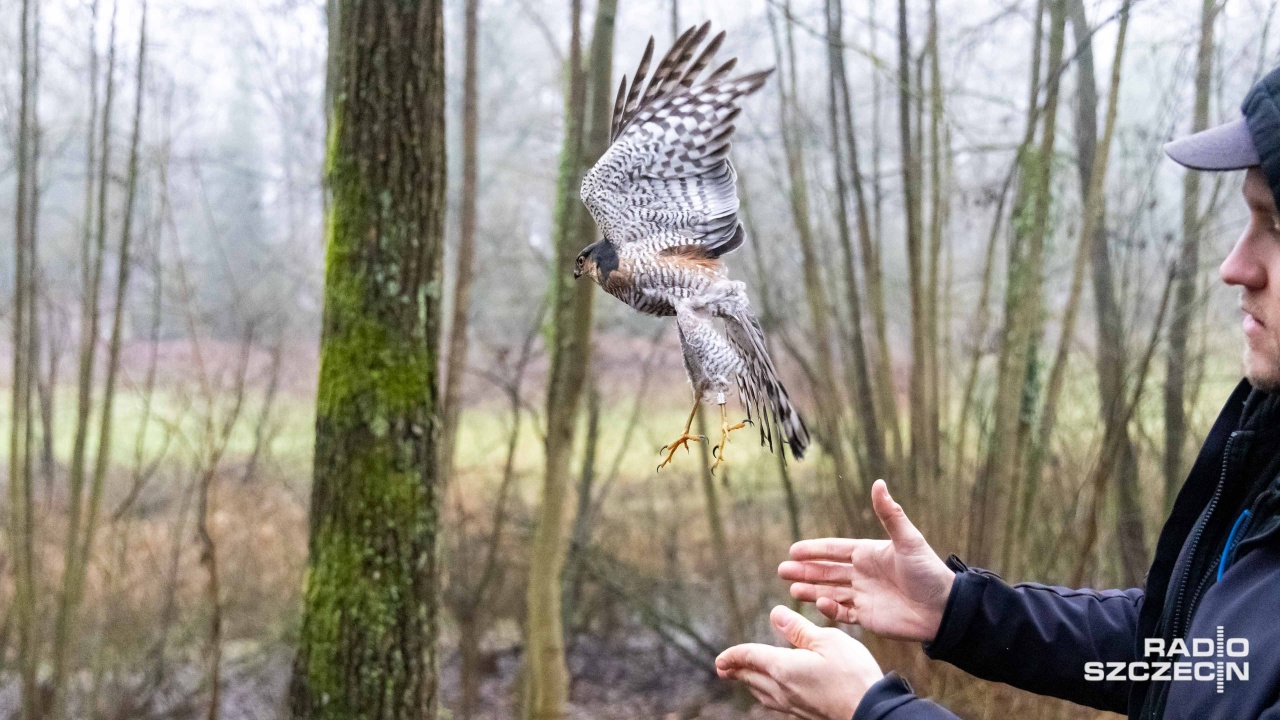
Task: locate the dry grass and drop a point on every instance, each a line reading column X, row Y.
column 652, row 528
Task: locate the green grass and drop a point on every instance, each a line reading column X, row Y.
column 181, row 426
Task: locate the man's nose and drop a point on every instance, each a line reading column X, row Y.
column 1243, row 265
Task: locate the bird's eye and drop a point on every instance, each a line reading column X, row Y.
column 580, row 262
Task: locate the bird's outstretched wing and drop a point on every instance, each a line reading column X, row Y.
column 666, row 172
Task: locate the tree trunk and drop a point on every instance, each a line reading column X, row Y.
column 1093, row 194
column 1112, row 359
column 861, row 386
column 734, row 621
column 939, row 209
column 997, row 492
column 472, row 661
column 546, row 676
column 827, row 395
column 367, row 647
column 21, row 523
column 912, row 225
column 78, row 551
column 1175, row 409
column 978, row 329
column 456, row 362
column 768, row 319
column 93, row 250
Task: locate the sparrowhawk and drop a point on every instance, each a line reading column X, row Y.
column 664, row 197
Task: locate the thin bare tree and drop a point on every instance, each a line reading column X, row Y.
column 997, row 491
column 827, row 395
column 1184, row 302
column 587, row 109
column 456, row 361
column 81, row 539
column 21, row 520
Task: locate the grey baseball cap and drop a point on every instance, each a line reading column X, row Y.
column 1226, row 147
column 1252, row 140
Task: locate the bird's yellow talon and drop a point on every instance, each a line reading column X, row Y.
column 670, row 450
column 684, row 439
column 725, row 428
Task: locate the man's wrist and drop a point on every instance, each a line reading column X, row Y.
column 962, row 604
column 883, row 697
column 938, row 606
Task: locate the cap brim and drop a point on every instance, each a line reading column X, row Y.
column 1226, row 147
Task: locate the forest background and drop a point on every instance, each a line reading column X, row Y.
column 980, row 278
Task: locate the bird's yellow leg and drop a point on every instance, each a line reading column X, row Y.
column 684, row 439
column 725, row 429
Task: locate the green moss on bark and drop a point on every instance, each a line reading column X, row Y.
column 367, row 644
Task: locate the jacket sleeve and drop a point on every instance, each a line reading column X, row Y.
column 1037, row 637
column 892, row 699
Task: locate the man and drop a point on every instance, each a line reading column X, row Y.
column 1210, row 601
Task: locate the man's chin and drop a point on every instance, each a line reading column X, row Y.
column 1261, row 371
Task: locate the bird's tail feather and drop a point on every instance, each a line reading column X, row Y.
column 760, row 388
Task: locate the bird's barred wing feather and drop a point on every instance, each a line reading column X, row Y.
column 667, row 171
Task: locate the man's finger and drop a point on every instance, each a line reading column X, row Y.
column 840, row 612
column 808, row 592
column 835, row 549
column 748, row 656
column 893, row 517
column 762, row 687
column 816, row 571
column 794, row 627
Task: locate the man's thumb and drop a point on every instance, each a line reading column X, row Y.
column 794, row 627
column 893, row 517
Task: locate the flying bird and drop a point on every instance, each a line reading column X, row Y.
column 664, row 196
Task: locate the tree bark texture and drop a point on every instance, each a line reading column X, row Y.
column 368, row 641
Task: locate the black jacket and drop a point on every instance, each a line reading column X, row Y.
column 1217, row 565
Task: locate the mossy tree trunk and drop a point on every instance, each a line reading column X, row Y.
column 368, row 641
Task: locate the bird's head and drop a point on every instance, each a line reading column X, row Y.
column 596, row 260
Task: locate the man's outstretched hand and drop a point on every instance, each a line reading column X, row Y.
column 823, row 678
column 896, row 588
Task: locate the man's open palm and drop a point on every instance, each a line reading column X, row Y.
column 896, row 588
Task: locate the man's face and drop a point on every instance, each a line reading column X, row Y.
column 1252, row 263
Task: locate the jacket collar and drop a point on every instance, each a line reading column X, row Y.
column 1192, row 498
